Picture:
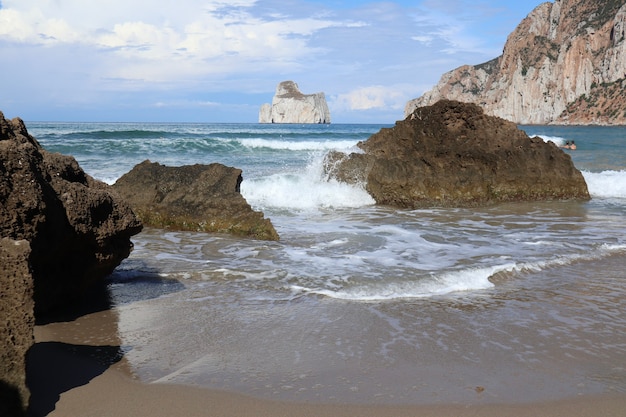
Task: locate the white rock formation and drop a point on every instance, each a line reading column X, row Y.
column 289, row 105
column 565, row 63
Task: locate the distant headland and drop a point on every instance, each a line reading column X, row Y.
column 563, row 64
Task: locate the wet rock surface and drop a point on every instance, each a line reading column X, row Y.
column 199, row 197
column 451, row 154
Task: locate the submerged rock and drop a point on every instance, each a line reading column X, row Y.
column 452, row 154
column 289, row 105
column 78, row 230
column 194, row 197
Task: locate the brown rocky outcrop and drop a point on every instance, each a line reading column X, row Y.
column 564, row 64
column 194, row 197
column 17, row 321
column 452, row 154
column 78, row 230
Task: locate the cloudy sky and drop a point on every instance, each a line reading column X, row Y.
column 219, row 60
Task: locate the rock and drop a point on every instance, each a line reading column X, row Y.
column 451, row 154
column 78, row 230
column 194, row 197
column 564, row 64
column 17, row 324
column 289, row 105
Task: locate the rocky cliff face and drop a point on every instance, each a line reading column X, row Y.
column 78, row 229
column 289, row 105
column 452, row 155
column 565, row 64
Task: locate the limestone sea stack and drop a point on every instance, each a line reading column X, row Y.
column 78, row 229
column 289, row 105
column 564, row 64
column 451, row 154
column 202, row 198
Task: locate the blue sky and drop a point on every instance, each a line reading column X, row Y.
column 219, row 60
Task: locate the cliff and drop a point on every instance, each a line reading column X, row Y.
column 289, row 105
column 564, row 64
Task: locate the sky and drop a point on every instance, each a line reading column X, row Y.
column 220, row 60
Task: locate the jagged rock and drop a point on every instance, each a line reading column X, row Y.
column 451, row 155
column 78, row 230
column 289, row 105
column 565, row 64
column 193, row 197
column 16, row 326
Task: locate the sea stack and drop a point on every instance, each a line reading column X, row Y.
column 289, row 105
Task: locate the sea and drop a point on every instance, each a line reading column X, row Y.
column 359, row 303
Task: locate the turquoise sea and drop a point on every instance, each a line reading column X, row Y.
column 365, row 304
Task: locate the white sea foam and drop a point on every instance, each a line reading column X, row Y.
column 606, row 184
column 304, row 190
column 300, row 192
column 298, row 145
column 469, row 279
column 465, row 280
column 557, row 140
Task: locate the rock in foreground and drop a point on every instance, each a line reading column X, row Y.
column 451, row 155
column 16, row 326
column 77, row 229
column 194, row 197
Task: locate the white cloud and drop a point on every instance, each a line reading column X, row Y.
column 216, row 36
column 185, row 104
column 425, row 39
column 366, row 56
column 373, row 97
column 452, row 26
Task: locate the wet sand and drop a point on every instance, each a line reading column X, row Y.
column 80, row 370
column 113, row 394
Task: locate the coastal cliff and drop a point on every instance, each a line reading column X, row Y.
column 289, row 105
column 564, row 64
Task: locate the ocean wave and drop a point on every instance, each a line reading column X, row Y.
column 302, row 192
column 606, row 184
column 297, row 145
column 469, row 279
column 449, row 282
column 557, row 140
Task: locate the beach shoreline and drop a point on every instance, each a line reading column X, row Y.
column 115, row 394
column 94, row 379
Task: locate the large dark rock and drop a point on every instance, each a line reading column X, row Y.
column 452, row 154
column 78, row 229
column 17, row 321
column 197, row 197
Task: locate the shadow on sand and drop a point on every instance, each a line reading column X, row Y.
column 55, row 367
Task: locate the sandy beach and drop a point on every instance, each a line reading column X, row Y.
column 77, row 370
